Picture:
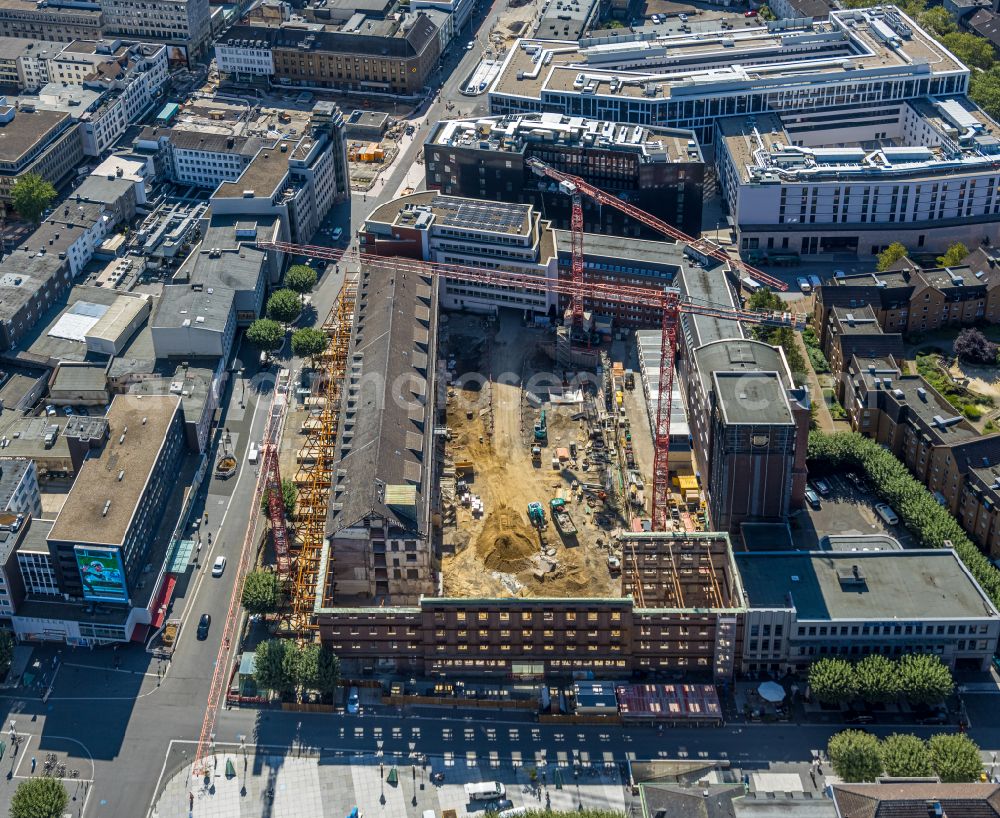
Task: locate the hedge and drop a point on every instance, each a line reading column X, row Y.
column 928, row 522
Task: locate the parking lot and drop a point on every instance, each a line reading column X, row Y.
column 845, row 510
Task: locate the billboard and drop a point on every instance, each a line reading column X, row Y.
column 102, row 574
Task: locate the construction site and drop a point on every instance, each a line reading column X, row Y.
column 539, row 472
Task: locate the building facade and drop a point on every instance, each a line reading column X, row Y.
column 802, row 606
column 858, row 66
column 109, row 519
column 926, row 178
column 185, row 23
column 659, row 170
column 375, row 55
column 19, row 493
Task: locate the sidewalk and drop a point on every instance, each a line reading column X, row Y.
column 331, row 785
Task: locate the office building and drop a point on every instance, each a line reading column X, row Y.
column 926, row 177
column 29, row 19
column 858, row 67
column 24, row 63
column 191, row 157
column 33, row 140
column 802, row 606
column 537, row 638
column 659, row 170
column 184, row 25
column 13, row 529
column 364, row 51
column 34, row 562
column 103, row 534
column 378, row 546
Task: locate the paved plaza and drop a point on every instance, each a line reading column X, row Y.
column 331, row 785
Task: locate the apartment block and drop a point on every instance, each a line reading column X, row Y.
column 909, row 300
column 941, row 448
column 659, row 170
column 62, row 23
column 856, row 331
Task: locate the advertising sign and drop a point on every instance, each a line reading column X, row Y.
column 102, row 573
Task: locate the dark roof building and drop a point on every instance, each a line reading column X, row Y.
column 916, row 800
column 381, row 493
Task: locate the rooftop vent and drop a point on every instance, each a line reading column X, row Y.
column 107, row 508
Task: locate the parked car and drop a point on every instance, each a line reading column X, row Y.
column 470, row 45
column 856, row 480
column 822, row 487
column 887, row 514
column 68, row 411
column 750, row 13
column 682, row 17
column 82, row 410
column 50, row 409
column 839, row 274
column 219, row 566
column 337, row 233
column 812, row 498
column 859, row 718
column 353, row 700
column 815, row 281
column 804, row 284
column 203, row 625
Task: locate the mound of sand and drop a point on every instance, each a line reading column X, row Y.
column 505, row 544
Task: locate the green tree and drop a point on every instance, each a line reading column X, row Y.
column 877, row 679
column 905, row 755
column 301, row 278
column 765, row 13
column 954, row 757
column 265, row 334
column 270, row 668
column 855, row 756
column 327, row 671
column 261, row 592
column 953, row 256
column 893, row 253
column 971, row 49
column 289, row 493
column 291, row 665
column 309, row 342
column 984, row 90
column 937, row 20
column 308, row 668
column 832, row 681
column 924, row 678
column 40, row 797
column 6, row 651
column 31, row 195
column 283, row 306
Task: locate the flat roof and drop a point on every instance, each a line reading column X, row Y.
column 82, row 518
column 893, row 585
column 750, row 398
column 27, row 130
column 263, row 176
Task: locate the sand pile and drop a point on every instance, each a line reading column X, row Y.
column 506, row 543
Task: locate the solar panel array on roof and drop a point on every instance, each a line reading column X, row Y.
column 477, row 216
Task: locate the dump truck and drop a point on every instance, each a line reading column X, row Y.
column 536, row 515
column 541, row 429
column 536, row 456
column 560, row 516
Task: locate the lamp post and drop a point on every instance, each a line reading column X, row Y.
column 381, row 771
column 243, row 746
column 243, row 392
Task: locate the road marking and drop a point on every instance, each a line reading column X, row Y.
column 40, row 764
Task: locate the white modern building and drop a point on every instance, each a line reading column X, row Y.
column 244, row 56
column 928, row 178
column 859, row 66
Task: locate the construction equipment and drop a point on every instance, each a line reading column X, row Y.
column 536, row 456
column 577, row 187
column 560, row 516
column 666, row 301
column 541, row 428
column 536, row 515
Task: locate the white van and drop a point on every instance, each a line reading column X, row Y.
column 253, row 452
column 485, row 791
column 887, row 514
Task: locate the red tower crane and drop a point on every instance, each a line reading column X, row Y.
column 668, row 301
column 577, row 187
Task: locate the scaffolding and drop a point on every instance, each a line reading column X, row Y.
column 317, row 458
